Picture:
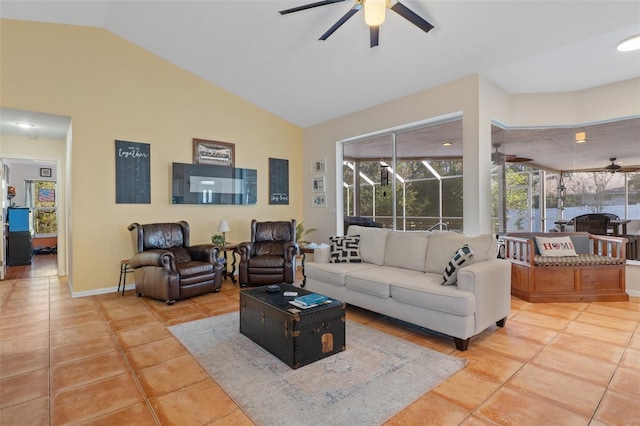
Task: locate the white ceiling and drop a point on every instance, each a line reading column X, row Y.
column 277, row 62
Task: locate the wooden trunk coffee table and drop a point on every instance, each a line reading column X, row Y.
column 296, row 336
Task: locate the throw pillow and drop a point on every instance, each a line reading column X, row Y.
column 345, row 249
column 555, row 246
column 462, row 255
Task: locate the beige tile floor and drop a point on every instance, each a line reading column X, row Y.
column 109, row 359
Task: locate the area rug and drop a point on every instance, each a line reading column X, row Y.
column 372, row 380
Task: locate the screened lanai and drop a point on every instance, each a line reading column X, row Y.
column 412, row 179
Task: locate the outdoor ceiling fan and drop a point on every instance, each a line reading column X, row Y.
column 374, row 14
column 613, row 167
column 617, row 168
column 501, row 157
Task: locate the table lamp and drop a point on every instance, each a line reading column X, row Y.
column 223, row 227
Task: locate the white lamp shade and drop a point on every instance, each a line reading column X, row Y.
column 374, row 12
column 223, row 226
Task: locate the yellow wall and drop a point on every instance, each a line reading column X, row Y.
column 114, row 90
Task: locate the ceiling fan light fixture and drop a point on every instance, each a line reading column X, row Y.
column 581, row 137
column 629, row 44
column 374, row 12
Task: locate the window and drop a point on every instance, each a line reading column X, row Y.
column 408, row 180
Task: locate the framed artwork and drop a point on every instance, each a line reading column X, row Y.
column 317, row 184
column 213, row 152
column 278, row 181
column 45, row 172
column 133, row 172
column 319, row 166
column 319, row 200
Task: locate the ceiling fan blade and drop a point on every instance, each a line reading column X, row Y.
column 309, row 6
column 516, row 159
column 374, row 32
column 412, row 17
column 341, row 21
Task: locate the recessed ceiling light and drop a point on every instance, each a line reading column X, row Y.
column 632, row 43
column 446, row 144
column 25, row 125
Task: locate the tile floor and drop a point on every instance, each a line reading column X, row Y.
column 107, row 360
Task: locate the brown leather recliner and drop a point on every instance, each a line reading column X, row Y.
column 167, row 268
column 270, row 256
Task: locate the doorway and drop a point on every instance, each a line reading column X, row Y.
column 33, row 153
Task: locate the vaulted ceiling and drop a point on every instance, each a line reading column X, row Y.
column 277, row 62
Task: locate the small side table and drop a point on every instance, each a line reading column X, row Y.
column 225, row 269
column 304, row 251
column 124, row 270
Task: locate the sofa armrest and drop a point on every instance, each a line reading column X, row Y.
column 290, row 251
column 605, row 245
column 521, row 251
column 204, row 253
column 490, row 282
column 161, row 258
column 244, row 251
column 321, row 254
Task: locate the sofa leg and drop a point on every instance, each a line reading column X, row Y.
column 461, row 344
column 502, row 322
column 169, row 302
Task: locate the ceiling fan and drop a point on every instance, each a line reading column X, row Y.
column 500, row 157
column 374, row 14
column 615, row 168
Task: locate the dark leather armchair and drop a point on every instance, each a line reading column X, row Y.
column 166, row 267
column 270, row 256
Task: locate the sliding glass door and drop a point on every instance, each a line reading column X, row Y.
column 410, row 179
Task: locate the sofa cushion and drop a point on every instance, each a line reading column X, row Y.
column 187, row 269
column 345, row 249
column 373, row 242
column 181, row 254
column 332, row 273
column 407, row 250
column 463, row 255
column 579, row 260
column 555, row 247
column 375, row 281
column 426, row 291
column 442, row 244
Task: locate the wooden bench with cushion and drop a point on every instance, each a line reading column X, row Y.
column 596, row 273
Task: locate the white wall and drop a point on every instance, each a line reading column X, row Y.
column 21, row 171
column 480, row 101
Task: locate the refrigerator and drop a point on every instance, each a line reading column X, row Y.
column 19, row 239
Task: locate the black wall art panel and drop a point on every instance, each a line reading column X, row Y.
column 133, row 172
column 278, row 181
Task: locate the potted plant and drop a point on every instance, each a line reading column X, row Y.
column 218, row 240
column 301, row 232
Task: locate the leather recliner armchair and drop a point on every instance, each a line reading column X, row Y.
column 166, row 267
column 270, row 256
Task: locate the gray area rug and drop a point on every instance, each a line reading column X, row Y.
column 372, row 380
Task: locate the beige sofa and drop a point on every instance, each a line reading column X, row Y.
column 401, row 276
